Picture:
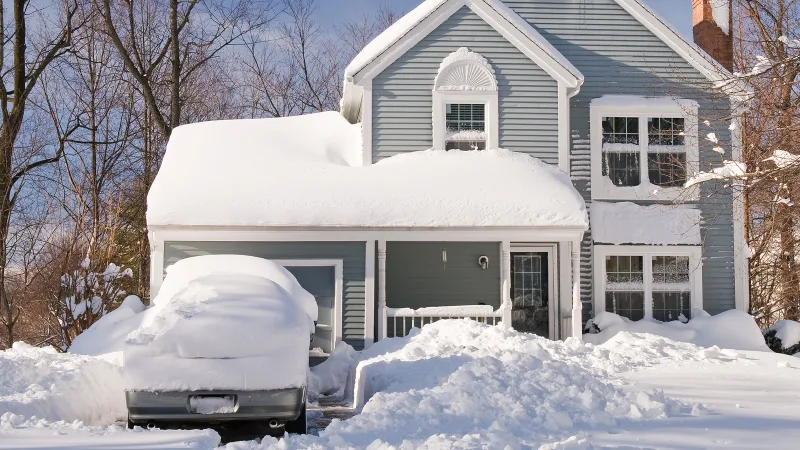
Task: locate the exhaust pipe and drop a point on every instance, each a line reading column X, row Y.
column 151, row 425
column 274, row 424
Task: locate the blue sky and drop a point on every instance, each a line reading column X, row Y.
column 678, row 13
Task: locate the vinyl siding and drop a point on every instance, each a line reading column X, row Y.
column 417, row 277
column 615, row 53
column 618, row 55
column 402, row 94
column 352, row 254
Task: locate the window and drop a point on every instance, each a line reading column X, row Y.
column 640, row 282
column 621, row 150
column 625, row 286
column 466, row 127
column 642, row 149
column 666, row 151
column 465, row 103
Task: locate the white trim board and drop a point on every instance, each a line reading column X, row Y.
column 646, row 251
column 338, row 265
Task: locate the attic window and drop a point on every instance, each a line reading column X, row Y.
column 465, row 103
column 466, row 126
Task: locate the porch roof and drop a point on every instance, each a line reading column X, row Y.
column 307, row 171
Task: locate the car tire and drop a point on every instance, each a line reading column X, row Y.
column 297, row 426
column 130, row 423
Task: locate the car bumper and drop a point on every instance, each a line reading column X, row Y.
column 151, row 407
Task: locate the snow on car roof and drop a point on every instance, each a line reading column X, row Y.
column 306, row 171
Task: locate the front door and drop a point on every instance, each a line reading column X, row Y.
column 530, row 292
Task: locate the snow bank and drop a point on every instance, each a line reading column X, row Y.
column 732, row 330
column 330, row 377
column 788, row 331
column 273, row 172
column 651, row 225
column 462, row 384
column 220, row 331
column 107, row 336
column 56, row 386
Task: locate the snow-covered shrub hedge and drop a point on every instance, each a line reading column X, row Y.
column 783, row 337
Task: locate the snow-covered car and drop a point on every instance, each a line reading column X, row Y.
column 225, row 343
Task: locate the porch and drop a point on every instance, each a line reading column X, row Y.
column 529, row 287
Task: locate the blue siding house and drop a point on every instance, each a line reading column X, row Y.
column 604, row 91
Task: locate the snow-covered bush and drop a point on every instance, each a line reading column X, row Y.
column 783, row 337
column 86, row 294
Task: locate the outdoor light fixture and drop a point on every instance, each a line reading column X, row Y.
column 483, row 261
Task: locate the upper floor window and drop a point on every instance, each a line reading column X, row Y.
column 465, row 103
column 466, row 126
column 642, row 149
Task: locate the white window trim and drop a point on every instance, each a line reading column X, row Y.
column 602, row 187
column 488, row 99
column 338, row 265
column 647, row 252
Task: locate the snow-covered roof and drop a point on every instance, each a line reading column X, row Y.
column 307, row 171
column 629, row 223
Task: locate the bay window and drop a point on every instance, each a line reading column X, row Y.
column 637, row 282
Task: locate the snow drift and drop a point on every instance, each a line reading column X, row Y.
column 274, row 172
column 56, row 386
column 463, row 384
column 107, row 336
column 731, row 329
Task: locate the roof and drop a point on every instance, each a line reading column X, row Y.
column 274, row 173
column 414, row 26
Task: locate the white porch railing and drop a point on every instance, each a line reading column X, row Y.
column 400, row 321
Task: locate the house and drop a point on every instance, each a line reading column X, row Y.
column 603, row 110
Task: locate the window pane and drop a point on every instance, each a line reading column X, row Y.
column 622, row 168
column 621, row 130
column 667, row 169
column 624, row 273
column 466, row 127
column 666, row 156
column 628, row 304
column 671, row 288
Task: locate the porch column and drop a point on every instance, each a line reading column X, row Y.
column 577, row 305
column 505, row 284
column 381, row 289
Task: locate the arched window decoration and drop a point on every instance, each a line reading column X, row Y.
column 465, row 103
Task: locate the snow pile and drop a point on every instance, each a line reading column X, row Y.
column 221, row 331
column 654, row 225
column 784, row 337
column 330, row 377
column 788, row 331
column 275, row 173
column 107, row 336
column 732, row 330
column 56, row 386
column 463, row 384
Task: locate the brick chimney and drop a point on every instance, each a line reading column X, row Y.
column 709, row 35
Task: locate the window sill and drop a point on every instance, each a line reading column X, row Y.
column 604, row 189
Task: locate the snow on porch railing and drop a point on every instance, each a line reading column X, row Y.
column 400, row 321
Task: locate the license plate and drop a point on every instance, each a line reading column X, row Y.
column 212, row 404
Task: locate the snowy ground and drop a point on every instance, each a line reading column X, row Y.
column 467, row 385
